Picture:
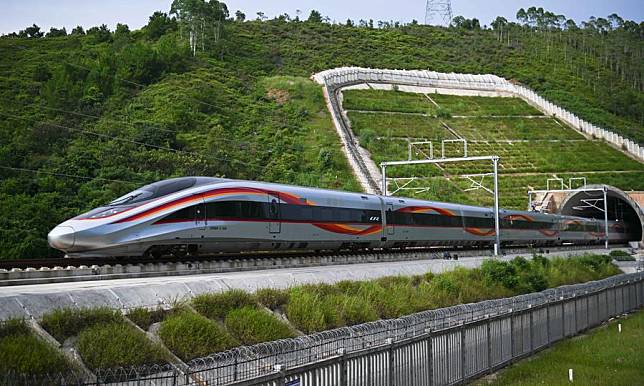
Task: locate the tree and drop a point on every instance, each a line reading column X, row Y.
column 203, row 21
column 315, row 17
column 158, row 25
column 615, row 20
column 240, row 16
column 101, row 34
column 499, row 24
column 522, row 16
column 32, row 32
column 571, row 25
column 78, row 30
column 122, row 30
column 55, row 32
column 458, row 21
column 349, row 23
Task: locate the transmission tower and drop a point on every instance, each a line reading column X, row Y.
column 438, row 12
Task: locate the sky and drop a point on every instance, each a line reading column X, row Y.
column 18, row 14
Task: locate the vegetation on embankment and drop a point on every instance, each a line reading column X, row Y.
column 91, row 115
column 531, row 148
column 21, row 352
column 103, row 338
column 215, row 322
column 603, row 356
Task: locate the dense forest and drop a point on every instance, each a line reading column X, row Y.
column 88, row 115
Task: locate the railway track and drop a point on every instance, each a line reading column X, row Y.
column 60, row 270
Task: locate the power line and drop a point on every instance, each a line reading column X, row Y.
column 66, row 175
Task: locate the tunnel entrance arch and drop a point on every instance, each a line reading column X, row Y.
column 621, row 207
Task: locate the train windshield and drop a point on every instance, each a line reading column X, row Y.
column 155, row 190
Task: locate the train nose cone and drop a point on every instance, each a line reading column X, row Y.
column 62, row 237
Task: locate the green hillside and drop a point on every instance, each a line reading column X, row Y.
column 91, row 115
column 532, row 147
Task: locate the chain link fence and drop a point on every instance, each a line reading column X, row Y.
column 436, row 347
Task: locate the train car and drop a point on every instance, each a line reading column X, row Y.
column 203, row 215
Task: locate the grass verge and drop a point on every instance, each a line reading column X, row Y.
column 253, row 325
column 602, row 357
column 144, row 317
column 112, row 345
column 21, row 352
column 217, row 305
column 189, row 335
column 68, row 322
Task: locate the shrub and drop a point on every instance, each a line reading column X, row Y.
column 541, row 260
column 67, row 322
column 26, row 354
column 618, row 252
column 531, row 275
column 191, row 335
column 144, row 318
column 502, row 272
column 22, row 352
column 350, row 310
column 325, row 158
column 389, row 302
column 13, row 327
column 619, row 255
column 112, row 345
column 307, row 311
column 272, row 298
column 251, row 325
column 442, row 112
column 216, row 306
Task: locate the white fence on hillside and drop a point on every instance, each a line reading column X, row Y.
column 345, row 76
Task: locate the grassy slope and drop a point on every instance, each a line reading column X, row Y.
column 602, row 357
column 531, row 149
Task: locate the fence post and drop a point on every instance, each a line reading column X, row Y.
column 531, row 328
column 548, row 323
column 489, row 347
column 430, row 355
column 587, row 310
column 282, row 376
column 235, row 368
column 575, row 312
column 391, row 361
column 563, row 319
column 343, row 367
column 512, row 336
column 463, row 359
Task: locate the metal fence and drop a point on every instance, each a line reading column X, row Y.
column 437, row 347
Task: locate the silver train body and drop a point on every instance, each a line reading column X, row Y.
column 202, row 215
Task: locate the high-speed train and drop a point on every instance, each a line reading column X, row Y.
column 203, row 215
